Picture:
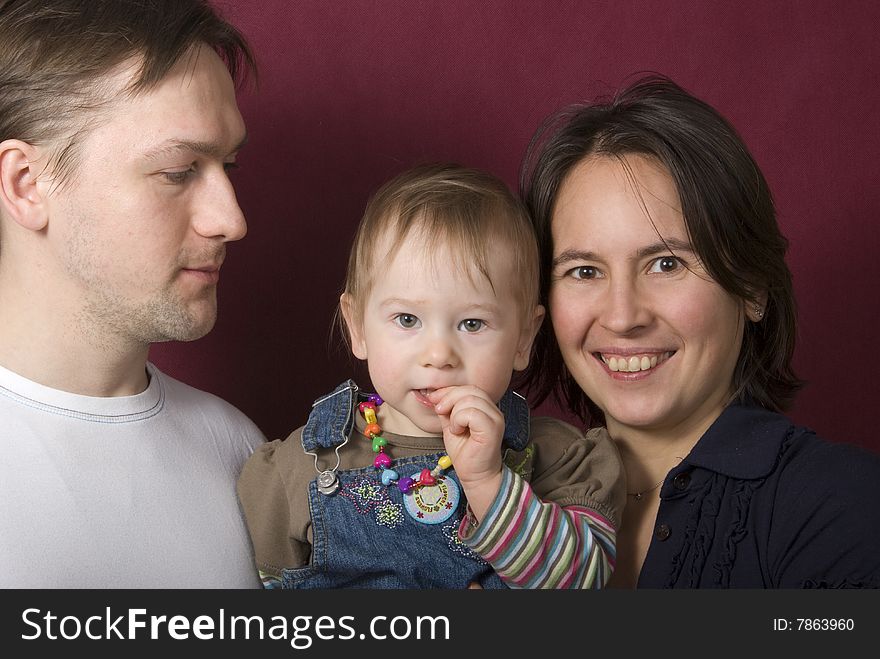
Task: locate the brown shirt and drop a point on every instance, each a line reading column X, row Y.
column 561, row 464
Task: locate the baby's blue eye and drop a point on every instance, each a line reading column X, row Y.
column 471, row 325
column 407, row 320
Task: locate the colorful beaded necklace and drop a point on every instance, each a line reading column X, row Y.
column 369, row 409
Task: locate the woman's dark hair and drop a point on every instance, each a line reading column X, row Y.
column 728, row 211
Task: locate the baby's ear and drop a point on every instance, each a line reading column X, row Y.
column 527, row 338
column 20, row 194
column 354, row 324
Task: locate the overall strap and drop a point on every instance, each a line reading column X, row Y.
column 331, row 418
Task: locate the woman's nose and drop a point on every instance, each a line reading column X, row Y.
column 624, row 308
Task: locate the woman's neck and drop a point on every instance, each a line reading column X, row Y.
column 656, row 448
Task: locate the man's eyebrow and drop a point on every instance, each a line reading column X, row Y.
column 208, row 149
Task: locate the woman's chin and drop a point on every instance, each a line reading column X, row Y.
column 643, row 416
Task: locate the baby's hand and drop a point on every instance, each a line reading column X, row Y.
column 473, row 427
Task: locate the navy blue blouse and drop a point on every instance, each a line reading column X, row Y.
column 761, row 503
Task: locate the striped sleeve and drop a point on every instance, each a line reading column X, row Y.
column 533, row 544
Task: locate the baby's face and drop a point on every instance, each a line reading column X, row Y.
column 427, row 325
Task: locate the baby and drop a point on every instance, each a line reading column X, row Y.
column 439, row 479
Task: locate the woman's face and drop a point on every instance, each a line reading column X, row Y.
column 646, row 333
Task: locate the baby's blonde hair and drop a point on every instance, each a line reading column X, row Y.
column 470, row 212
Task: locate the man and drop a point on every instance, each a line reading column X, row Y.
column 118, row 123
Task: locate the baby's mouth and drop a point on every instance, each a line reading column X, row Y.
column 422, row 397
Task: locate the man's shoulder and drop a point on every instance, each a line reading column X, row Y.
column 185, row 400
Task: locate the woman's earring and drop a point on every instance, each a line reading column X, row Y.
column 759, row 312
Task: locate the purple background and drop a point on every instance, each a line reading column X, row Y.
column 352, row 93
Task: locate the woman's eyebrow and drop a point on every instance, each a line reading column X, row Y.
column 660, row 247
column 573, row 255
column 666, row 245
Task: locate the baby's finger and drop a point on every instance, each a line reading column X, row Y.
column 477, row 415
column 446, row 398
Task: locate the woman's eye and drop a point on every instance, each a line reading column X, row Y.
column 665, row 264
column 583, row 272
column 406, row 320
column 471, row 325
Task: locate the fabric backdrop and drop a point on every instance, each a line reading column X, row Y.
column 353, row 92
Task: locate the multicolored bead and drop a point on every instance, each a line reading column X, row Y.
column 382, row 462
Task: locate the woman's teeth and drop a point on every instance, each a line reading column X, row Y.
column 634, row 363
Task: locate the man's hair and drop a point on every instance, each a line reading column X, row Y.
column 728, row 212
column 55, row 55
column 470, row 212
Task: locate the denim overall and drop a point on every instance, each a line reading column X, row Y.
column 362, row 535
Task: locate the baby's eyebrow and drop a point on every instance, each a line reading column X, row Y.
column 400, row 302
column 488, row 308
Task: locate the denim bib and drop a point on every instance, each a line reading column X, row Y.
column 362, row 536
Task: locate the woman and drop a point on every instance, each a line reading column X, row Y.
column 672, row 321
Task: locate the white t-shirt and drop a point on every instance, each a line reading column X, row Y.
column 122, row 492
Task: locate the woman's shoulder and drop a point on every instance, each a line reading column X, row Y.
column 813, row 462
column 825, row 529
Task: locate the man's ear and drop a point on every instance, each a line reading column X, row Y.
column 20, row 195
column 354, row 324
column 527, row 338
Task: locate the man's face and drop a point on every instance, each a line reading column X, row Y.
column 141, row 227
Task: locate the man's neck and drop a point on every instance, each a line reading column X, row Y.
column 43, row 341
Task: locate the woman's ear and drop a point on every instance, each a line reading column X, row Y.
column 755, row 307
column 20, row 195
column 354, row 324
column 527, row 338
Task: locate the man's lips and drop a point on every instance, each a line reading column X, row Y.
column 209, row 274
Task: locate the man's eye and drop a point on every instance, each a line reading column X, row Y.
column 406, row 320
column 177, row 178
column 665, row 264
column 582, row 272
column 471, row 325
